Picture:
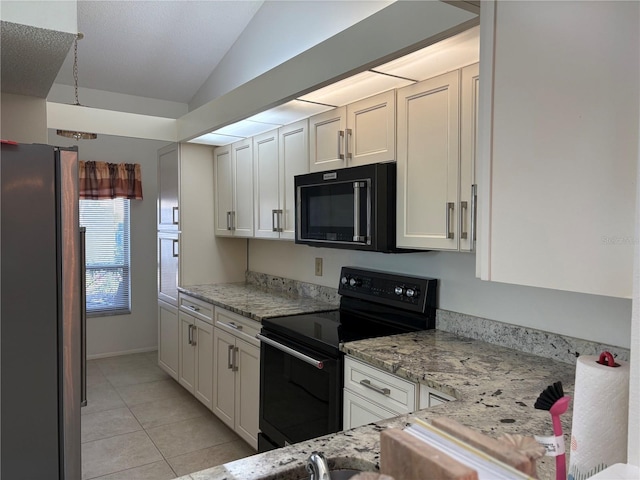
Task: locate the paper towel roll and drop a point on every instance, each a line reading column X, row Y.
column 600, row 417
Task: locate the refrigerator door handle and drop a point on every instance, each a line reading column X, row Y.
column 83, row 319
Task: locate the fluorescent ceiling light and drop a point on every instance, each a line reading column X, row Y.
column 246, row 128
column 355, row 88
column 290, row 112
column 442, row 57
column 215, row 139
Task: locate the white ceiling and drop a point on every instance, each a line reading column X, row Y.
column 156, row 49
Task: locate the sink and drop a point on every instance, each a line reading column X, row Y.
column 340, row 474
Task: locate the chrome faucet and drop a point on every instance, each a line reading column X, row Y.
column 317, row 467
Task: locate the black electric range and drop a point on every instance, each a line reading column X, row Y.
column 301, row 370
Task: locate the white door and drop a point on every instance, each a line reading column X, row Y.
column 242, row 155
column 294, row 160
column 224, row 376
column 168, row 339
column 223, row 175
column 326, row 140
column 203, row 389
column 428, row 164
column 168, row 181
column 247, row 391
column 469, row 90
column 187, row 370
column 371, row 130
column 266, row 184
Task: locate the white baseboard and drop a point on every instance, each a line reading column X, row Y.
column 117, row 354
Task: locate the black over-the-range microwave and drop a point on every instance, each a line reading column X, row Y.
column 351, row 208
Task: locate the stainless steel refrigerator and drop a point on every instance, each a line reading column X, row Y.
column 42, row 317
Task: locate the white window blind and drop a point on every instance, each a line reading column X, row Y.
column 107, row 255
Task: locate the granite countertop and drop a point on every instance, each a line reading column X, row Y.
column 255, row 301
column 495, row 388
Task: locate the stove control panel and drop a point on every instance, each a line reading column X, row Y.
column 403, row 291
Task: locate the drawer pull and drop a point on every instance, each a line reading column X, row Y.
column 368, row 384
column 193, row 308
column 233, row 325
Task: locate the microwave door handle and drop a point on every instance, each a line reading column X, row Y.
column 356, row 212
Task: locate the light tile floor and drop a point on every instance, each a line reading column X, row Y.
column 139, row 424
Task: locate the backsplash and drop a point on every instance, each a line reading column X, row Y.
column 545, row 344
column 293, row 287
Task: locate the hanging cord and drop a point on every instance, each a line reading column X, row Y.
column 79, row 36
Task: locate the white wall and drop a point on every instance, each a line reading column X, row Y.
column 278, row 31
column 590, row 317
column 137, row 331
column 24, row 118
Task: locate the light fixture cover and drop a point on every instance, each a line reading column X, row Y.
column 77, row 135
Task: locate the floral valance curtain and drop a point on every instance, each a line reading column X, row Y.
column 99, row 180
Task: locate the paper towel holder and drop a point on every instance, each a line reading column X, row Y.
column 607, row 359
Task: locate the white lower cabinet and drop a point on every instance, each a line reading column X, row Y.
column 236, row 376
column 196, row 349
column 371, row 394
column 168, row 339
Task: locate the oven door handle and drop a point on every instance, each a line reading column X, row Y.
column 294, row 353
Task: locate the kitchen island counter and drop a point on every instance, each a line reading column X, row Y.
column 495, row 388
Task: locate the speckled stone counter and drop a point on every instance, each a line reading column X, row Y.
column 256, row 301
column 496, row 388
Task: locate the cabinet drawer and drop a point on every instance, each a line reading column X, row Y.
column 195, row 307
column 238, row 325
column 389, row 391
column 430, row 397
column 359, row 411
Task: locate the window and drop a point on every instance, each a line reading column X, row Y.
column 107, row 255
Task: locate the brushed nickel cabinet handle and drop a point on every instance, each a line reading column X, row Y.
column 474, row 214
column 193, row 308
column 463, row 218
column 174, row 211
column 229, row 357
column 175, row 250
column 340, row 142
column 375, row 388
column 450, row 208
column 274, row 220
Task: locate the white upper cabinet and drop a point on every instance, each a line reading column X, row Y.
column 469, row 92
column 279, row 156
column 326, row 140
column 233, row 172
column 266, row 184
column 428, row 164
column 558, row 145
column 293, row 159
column 360, row 133
column 168, row 181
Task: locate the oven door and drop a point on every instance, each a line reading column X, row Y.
column 300, row 391
column 335, row 212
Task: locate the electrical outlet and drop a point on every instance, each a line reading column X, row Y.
column 318, row 267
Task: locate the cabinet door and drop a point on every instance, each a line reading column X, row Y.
column 326, row 140
column 428, row 164
column 242, row 155
column 168, row 181
column 469, row 90
column 187, row 370
column 371, row 130
column 359, row 411
column 266, row 184
column 294, row 160
column 223, row 174
column 247, row 391
column 168, row 339
column 559, row 145
column 224, row 376
column 168, row 267
column 204, row 363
